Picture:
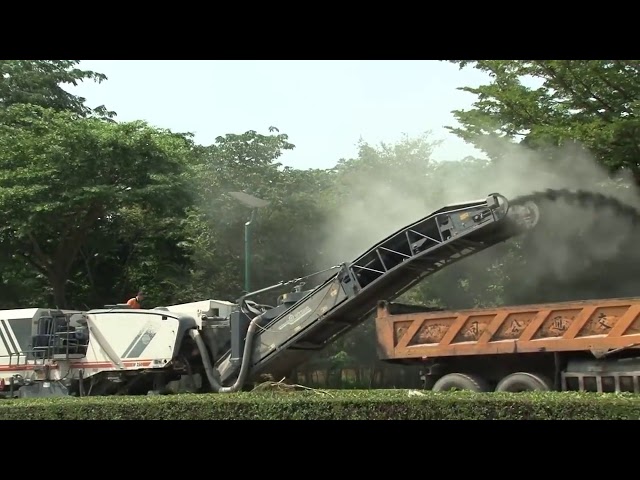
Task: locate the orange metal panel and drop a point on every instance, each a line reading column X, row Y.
column 556, row 327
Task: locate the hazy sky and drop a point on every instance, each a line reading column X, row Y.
column 324, row 106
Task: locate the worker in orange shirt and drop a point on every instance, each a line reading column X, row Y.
column 135, row 301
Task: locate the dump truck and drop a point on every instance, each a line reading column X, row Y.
column 223, row 347
column 588, row 345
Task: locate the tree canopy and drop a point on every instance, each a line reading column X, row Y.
column 41, row 83
column 546, row 103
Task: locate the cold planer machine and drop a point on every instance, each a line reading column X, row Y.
column 124, row 351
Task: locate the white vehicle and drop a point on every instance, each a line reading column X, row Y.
column 107, row 351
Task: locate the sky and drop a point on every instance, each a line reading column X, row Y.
column 324, row 106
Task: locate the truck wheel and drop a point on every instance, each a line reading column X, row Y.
column 460, row 381
column 524, row 382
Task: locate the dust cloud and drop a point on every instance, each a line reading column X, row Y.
column 575, row 253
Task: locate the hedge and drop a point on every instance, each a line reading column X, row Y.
column 332, row 405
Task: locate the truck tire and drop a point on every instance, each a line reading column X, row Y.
column 460, row 381
column 524, row 382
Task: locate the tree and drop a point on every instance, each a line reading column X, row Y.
column 591, row 102
column 40, row 82
column 235, row 162
column 64, row 178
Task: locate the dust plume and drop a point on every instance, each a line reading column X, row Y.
column 576, row 252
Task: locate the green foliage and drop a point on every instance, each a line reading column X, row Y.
column 282, row 232
column 68, row 185
column 41, row 83
column 592, row 102
column 333, row 405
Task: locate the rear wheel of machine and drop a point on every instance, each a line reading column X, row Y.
column 460, row 381
column 524, row 382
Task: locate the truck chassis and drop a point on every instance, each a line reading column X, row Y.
column 586, row 346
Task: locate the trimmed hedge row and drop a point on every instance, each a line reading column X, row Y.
column 334, row 405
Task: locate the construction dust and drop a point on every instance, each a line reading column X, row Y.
column 577, row 252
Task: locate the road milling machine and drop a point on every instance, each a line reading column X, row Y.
column 223, row 347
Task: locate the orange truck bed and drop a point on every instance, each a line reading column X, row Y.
column 593, row 325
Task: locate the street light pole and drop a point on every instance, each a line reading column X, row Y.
column 255, row 203
column 247, row 252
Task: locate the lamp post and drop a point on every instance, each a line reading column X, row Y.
column 254, row 203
